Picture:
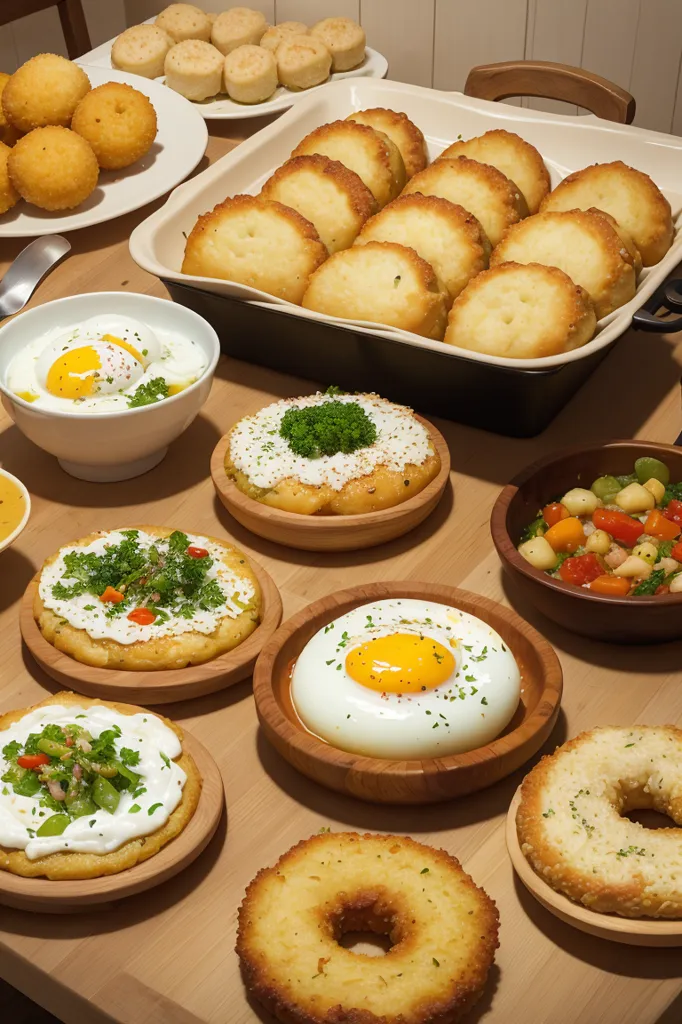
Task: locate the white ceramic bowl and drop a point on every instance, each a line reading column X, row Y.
column 27, row 501
column 112, row 445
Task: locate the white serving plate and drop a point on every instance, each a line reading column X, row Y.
column 567, row 143
column 179, row 146
column 222, row 108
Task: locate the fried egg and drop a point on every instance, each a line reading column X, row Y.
column 406, row 679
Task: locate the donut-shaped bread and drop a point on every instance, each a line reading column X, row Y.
column 383, row 283
column 630, row 196
column 184, row 21
column 276, row 34
column 368, row 152
column 344, row 39
column 302, row 62
column 250, row 74
column 255, row 242
column 521, row 312
column 584, row 245
column 194, row 69
column 141, row 50
column 239, row 26
column 443, row 234
column 572, row 827
column 442, row 927
column 512, row 155
column 408, row 138
column 333, row 198
column 494, row 200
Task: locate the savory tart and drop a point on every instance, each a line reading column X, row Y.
column 146, row 598
column 90, row 788
column 331, row 454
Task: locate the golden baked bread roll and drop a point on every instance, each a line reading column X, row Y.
column 403, row 132
column 302, row 62
column 250, row 74
column 582, row 244
column 276, row 34
column 344, row 39
column 240, row 26
column 494, row 200
column 255, row 242
column 382, row 283
column 194, row 69
column 184, row 21
column 521, row 312
column 332, row 197
column 448, row 237
column 629, row 195
column 369, row 153
column 512, row 155
column 141, row 50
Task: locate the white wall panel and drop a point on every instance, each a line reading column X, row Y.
column 677, row 115
column 8, row 53
column 105, row 19
column 38, row 33
column 610, row 34
column 555, row 32
column 310, row 11
column 403, row 31
column 139, row 10
column 656, row 64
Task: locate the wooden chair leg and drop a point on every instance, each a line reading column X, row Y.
column 75, row 27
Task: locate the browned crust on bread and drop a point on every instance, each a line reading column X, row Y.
column 155, row 654
column 64, row 865
column 383, row 907
column 626, row 238
column 412, row 143
column 543, row 184
column 359, row 196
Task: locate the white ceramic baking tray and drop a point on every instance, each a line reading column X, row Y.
column 567, row 143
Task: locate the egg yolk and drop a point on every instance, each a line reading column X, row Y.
column 400, row 663
column 114, row 340
column 74, row 374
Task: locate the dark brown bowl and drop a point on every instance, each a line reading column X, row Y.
column 628, row 620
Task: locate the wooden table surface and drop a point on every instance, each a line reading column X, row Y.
column 168, row 956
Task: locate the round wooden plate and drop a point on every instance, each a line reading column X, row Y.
column 638, row 931
column 166, row 685
column 408, row 782
column 51, row 897
column 330, row 533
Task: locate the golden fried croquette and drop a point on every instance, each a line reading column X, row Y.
column 53, row 168
column 44, row 91
column 184, row 21
column 333, row 198
column 383, row 283
column 494, row 200
column 118, row 122
column 276, row 34
column 629, row 195
column 368, row 152
column 255, row 242
column 64, row 865
column 141, row 50
column 407, row 137
column 4, row 79
column 443, row 234
column 344, row 39
column 512, row 155
column 443, row 931
column 302, row 62
column 9, row 196
column 521, row 312
column 582, row 244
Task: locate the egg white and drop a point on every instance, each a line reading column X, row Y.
column 467, row 711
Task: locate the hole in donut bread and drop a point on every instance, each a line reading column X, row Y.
column 366, row 943
column 649, row 818
column 364, row 924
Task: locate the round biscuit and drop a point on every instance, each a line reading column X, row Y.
column 276, row 34
column 238, row 26
column 250, row 74
column 302, row 62
column 194, row 68
column 511, row 155
column 141, row 50
column 184, row 21
column 344, row 39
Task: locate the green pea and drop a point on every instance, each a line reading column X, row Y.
column 646, row 468
column 606, row 488
column 104, row 794
column 54, row 825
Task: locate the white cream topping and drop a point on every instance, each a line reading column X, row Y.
column 87, row 612
column 258, row 450
column 100, row 832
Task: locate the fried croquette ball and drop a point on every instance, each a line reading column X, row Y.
column 119, row 123
column 629, row 195
column 512, row 155
column 53, row 168
column 184, row 21
column 4, row 79
column 45, row 90
column 9, row 196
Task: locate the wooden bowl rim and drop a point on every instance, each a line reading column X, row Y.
column 307, row 743
column 609, row 925
column 230, row 493
column 101, row 680
column 508, row 553
column 169, row 861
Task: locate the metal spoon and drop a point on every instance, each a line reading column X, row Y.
column 27, row 271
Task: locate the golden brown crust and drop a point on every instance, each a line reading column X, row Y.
column 408, row 138
column 334, row 883
column 511, row 155
column 63, row 865
column 192, row 648
column 119, row 122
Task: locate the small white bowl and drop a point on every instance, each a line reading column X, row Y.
column 113, row 445
column 27, row 501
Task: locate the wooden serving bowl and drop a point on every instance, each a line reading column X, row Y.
column 330, row 533
column 616, row 619
column 167, row 685
column 407, row 782
column 638, row 931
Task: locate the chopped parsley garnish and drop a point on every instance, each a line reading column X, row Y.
column 153, row 808
column 147, row 394
column 424, row 871
column 327, row 429
column 651, row 584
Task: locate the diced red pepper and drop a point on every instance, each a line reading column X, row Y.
column 621, row 526
column 657, row 525
column 674, row 511
column 581, row 569
column 676, row 552
column 142, row 616
column 197, row 552
column 662, row 589
column 112, row 596
column 32, row 761
column 554, row 513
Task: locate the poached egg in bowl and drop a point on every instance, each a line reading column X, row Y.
column 403, row 678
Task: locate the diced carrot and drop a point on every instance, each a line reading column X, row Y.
column 657, row 525
column 112, row 596
column 614, row 586
column 676, row 552
column 554, row 513
column 566, row 535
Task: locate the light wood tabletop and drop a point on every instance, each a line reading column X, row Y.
column 168, row 957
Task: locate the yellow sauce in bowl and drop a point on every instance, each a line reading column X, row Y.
column 12, row 507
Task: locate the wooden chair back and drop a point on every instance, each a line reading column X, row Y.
column 553, row 82
column 71, row 16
